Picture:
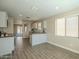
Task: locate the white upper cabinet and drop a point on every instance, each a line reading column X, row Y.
column 3, row 19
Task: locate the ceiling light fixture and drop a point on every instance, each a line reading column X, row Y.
column 20, row 15
column 57, row 7
column 34, row 8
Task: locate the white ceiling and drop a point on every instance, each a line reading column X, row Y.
column 37, row 9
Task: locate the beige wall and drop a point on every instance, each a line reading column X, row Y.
column 17, row 21
column 65, row 42
column 9, row 28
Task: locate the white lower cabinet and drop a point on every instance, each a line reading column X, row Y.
column 6, row 45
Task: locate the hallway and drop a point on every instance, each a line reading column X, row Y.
column 23, row 50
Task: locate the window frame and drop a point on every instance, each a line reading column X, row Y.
column 66, row 26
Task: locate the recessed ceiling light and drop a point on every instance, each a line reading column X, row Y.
column 57, row 7
column 20, row 15
column 34, row 8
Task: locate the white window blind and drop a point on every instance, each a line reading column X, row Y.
column 72, row 26
column 67, row 26
column 60, row 27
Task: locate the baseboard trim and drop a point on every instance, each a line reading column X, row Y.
column 72, row 50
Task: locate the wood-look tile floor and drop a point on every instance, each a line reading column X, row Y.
column 23, row 50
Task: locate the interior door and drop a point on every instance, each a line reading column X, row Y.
column 18, row 30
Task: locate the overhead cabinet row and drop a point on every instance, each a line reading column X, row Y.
column 3, row 19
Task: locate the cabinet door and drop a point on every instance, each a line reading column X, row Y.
column 6, row 45
column 3, row 19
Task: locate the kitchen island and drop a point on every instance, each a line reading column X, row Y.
column 38, row 38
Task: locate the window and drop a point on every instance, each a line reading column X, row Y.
column 39, row 26
column 19, row 29
column 72, row 26
column 25, row 28
column 35, row 25
column 67, row 26
column 45, row 24
column 60, row 27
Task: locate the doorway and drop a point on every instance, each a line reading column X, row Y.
column 18, row 30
